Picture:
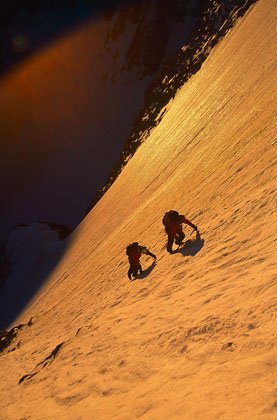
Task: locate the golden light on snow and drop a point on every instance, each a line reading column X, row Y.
column 196, row 337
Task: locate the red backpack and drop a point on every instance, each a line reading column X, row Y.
column 132, row 249
column 170, row 217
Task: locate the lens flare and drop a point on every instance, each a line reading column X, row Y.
column 20, row 44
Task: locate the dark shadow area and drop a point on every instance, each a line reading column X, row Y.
column 28, row 25
column 191, row 247
column 19, row 289
column 145, row 273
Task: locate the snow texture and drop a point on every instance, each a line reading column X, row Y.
column 195, row 337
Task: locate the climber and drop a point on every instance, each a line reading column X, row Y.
column 172, row 221
column 134, row 252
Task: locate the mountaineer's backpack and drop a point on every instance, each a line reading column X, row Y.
column 131, row 248
column 170, row 216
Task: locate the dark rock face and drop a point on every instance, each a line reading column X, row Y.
column 216, row 20
column 154, row 21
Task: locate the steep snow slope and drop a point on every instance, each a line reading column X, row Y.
column 194, row 337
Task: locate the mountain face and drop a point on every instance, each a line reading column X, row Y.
column 92, row 79
column 75, row 112
column 161, row 28
column 67, row 109
column 194, row 335
column 209, row 23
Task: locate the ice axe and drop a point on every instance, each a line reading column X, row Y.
column 193, row 230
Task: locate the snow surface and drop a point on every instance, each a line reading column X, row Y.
column 195, row 336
